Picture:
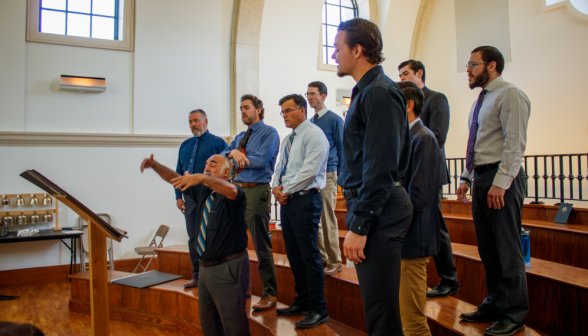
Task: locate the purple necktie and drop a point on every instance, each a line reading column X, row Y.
column 474, row 132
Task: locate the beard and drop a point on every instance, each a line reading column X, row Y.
column 246, row 120
column 197, row 132
column 340, row 72
column 481, row 79
column 207, row 174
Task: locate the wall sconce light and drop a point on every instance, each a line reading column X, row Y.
column 346, row 102
column 82, row 84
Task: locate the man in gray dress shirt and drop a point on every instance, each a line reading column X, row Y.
column 496, row 145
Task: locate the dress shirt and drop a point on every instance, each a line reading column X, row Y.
column 307, row 164
column 413, row 122
column 208, row 145
column 332, row 126
column 376, row 146
column 261, row 151
column 226, row 231
column 322, row 112
column 502, row 130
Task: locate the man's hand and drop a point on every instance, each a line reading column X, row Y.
column 462, row 191
column 148, row 163
column 186, row 181
column 181, row 205
column 280, row 197
column 496, row 197
column 353, row 247
column 241, row 159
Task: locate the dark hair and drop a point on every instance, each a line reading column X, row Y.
column 298, row 100
column 202, row 113
column 366, row 34
column 414, row 65
column 17, row 329
column 412, row 92
column 257, row 103
column 491, row 54
column 322, row 88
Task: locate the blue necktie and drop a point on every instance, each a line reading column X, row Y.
column 193, row 158
column 474, row 133
column 201, row 246
column 286, row 156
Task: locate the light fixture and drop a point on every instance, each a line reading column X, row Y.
column 347, row 101
column 47, row 200
column 34, row 200
column 20, row 200
column 82, row 84
column 5, row 200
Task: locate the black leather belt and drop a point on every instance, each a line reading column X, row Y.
column 485, row 168
column 223, row 260
column 350, row 193
column 303, row 192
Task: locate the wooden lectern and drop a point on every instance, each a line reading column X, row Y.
column 98, row 230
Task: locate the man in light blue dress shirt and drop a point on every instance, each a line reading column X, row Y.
column 254, row 152
column 300, row 175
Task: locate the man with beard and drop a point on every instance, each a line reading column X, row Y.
column 221, row 244
column 376, row 155
column 254, row 152
column 496, row 145
column 192, row 159
column 435, row 116
column 332, row 126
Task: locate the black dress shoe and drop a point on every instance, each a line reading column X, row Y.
column 480, row 315
column 504, row 326
column 313, row 319
column 443, row 290
column 294, row 309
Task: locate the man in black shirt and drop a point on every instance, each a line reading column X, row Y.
column 221, row 244
column 376, row 154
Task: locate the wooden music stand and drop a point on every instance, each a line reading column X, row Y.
column 98, row 230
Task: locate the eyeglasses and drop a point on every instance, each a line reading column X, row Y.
column 312, row 94
column 474, row 64
column 288, row 111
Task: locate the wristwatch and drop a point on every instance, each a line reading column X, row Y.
column 466, row 181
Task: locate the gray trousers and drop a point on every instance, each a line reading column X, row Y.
column 499, row 242
column 257, row 219
column 222, row 296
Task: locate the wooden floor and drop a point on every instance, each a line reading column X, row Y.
column 47, row 307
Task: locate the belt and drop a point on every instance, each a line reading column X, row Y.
column 485, row 168
column 248, row 185
column 350, row 193
column 223, row 260
column 303, row 192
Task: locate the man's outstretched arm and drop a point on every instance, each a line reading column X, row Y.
column 221, row 186
column 165, row 173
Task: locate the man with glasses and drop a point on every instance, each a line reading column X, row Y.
column 301, row 174
column 254, row 153
column 435, row 116
column 496, row 145
column 192, row 159
column 332, row 126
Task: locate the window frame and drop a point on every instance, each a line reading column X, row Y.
column 126, row 44
column 321, row 65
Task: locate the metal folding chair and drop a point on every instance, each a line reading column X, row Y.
column 150, row 250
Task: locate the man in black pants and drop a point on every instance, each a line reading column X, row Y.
column 496, row 145
column 376, row 155
column 435, row 116
column 221, row 244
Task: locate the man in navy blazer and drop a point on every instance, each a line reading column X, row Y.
column 435, row 116
column 422, row 239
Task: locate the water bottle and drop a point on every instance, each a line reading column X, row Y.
column 525, row 242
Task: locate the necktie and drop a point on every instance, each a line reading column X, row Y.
column 316, row 116
column 193, row 158
column 286, row 156
column 201, row 244
column 473, row 132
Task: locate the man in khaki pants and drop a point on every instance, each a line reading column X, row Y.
column 332, row 126
column 423, row 237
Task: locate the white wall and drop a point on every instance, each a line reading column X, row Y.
column 397, row 34
column 548, row 53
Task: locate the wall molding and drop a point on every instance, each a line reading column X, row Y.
column 48, row 139
column 421, row 25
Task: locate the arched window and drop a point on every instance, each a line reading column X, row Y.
column 334, row 12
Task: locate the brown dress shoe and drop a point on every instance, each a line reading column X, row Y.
column 191, row 283
column 265, row 303
column 331, row 269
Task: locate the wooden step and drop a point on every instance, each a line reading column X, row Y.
column 172, row 307
column 558, row 294
column 558, row 243
column 279, row 247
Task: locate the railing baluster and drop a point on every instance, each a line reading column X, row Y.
column 526, row 178
column 580, row 177
column 536, row 178
column 571, row 177
column 562, row 177
column 553, row 176
column 545, row 176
